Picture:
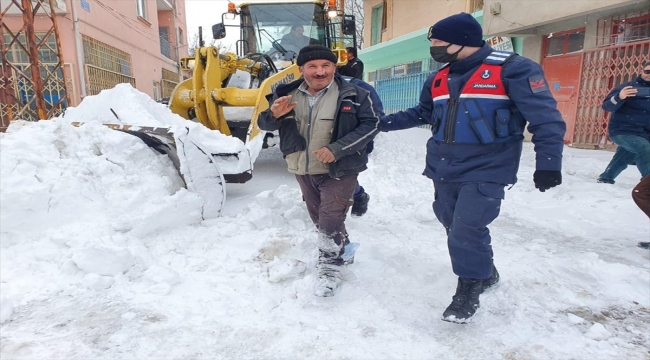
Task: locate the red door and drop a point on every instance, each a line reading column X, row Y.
column 563, row 75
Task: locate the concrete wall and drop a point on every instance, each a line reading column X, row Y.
column 526, row 20
column 551, row 18
column 406, row 16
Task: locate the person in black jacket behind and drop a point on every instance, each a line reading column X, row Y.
column 354, row 67
column 629, row 126
column 325, row 125
column 361, row 197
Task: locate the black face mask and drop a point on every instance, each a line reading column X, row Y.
column 440, row 54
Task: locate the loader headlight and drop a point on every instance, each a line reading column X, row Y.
column 190, row 64
column 332, row 13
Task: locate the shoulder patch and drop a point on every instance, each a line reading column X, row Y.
column 537, row 84
column 498, row 57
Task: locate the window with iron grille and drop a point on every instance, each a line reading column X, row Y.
column 19, row 53
column 623, row 29
column 106, row 57
column 399, row 70
column 106, row 66
column 169, row 81
column 414, row 67
column 165, row 45
column 384, row 73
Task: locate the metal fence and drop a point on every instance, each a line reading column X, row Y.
column 21, row 96
column 399, row 86
column 602, row 70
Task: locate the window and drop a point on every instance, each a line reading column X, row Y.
column 632, row 30
column 169, row 82
column 165, row 46
column 18, row 52
column 180, row 36
column 264, row 24
column 384, row 73
column 156, row 90
column 106, row 57
column 106, row 66
column 575, row 42
column 142, row 8
column 383, row 15
column 414, row 67
column 624, row 28
column 565, row 42
column 378, row 23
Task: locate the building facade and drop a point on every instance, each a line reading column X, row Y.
column 586, row 47
column 102, row 43
column 396, row 56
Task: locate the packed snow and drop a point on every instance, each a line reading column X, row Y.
column 105, row 255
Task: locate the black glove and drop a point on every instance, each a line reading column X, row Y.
column 546, row 179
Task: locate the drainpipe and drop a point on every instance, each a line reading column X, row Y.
column 79, row 47
column 175, row 30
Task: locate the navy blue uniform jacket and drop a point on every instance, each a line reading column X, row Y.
column 494, row 162
column 630, row 116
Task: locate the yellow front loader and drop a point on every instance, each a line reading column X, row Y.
column 227, row 91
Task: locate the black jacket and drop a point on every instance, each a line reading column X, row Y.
column 630, row 116
column 353, row 68
column 355, row 125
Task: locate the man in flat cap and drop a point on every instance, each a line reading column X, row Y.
column 325, row 124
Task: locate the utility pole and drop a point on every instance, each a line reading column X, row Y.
column 30, row 92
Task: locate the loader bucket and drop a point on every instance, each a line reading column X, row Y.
column 196, row 167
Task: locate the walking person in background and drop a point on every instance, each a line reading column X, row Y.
column 629, row 126
column 354, row 67
column 477, row 106
column 325, row 124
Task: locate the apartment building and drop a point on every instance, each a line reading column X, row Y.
column 586, row 47
column 396, row 56
column 102, row 43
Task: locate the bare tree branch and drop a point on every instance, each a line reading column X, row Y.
column 355, row 7
column 193, row 44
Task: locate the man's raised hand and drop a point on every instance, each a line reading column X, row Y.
column 282, row 106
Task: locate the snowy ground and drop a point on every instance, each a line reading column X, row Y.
column 104, row 256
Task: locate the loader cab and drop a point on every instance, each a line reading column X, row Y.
column 281, row 29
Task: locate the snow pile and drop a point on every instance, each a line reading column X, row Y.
column 103, row 254
column 132, row 107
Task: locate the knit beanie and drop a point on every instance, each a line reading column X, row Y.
column 315, row 52
column 460, row 29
